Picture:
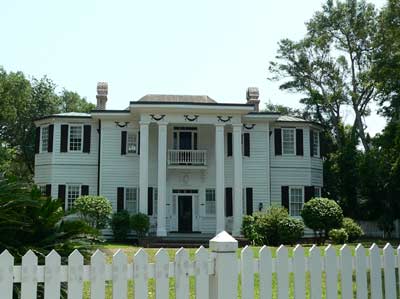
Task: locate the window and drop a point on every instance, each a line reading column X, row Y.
column 210, row 202
column 75, row 138
column 132, row 143
column 73, row 192
column 155, row 200
column 288, row 141
column 185, row 138
column 42, row 189
column 296, row 200
column 131, row 200
column 45, row 138
column 316, row 144
column 317, row 191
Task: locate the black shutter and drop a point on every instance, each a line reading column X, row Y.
column 229, row 146
column 249, row 201
column 150, row 201
column 309, row 192
column 322, row 144
column 299, row 142
column 285, row 197
column 61, row 195
column 50, row 139
column 87, row 132
column 120, row 199
column 84, row 190
column 246, row 143
column 123, row 142
column 37, row 140
column 48, row 190
column 228, row 202
column 311, row 143
column 278, row 141
column 138, row 143
column 64, row 139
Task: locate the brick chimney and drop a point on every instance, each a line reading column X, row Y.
column 252, row 96
column 102, row 91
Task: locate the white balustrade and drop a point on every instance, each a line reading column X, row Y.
column 187, row 157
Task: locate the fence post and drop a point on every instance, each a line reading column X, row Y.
column 223, row 283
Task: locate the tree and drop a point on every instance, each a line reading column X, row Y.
column 73, row 102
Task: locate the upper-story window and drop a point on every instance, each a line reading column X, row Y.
column 316, row 144
column 288, row 141
column 45, row 138
column 185, row 138
column 75, row 138
column 131, row 143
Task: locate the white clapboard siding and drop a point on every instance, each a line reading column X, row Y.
column 282, row 270
column 161, row 274
column 265, row 269
column 375, row 267
column 52, row 275
column 299, row 268
column 119, row 275
column 29, row 276
column 389, row 272
column 315, row 272
column 331, row 272
column 361, row 272
column 346, row 271
column 182, row 274
column 97, row 275
column 75, row 275
column 6, row 274
column 247, row 271
column 398, row 267
column 141, row 274
column 201, row 272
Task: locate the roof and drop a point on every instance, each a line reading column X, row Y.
column 177, row 98
column 72, row 114
column 290, row 118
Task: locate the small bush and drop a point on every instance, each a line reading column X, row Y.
column 248, row 227
column 290, row 230
column 353, row 230
column 120, row 225
column 140, row 223
column 95, row 210
column 266, row 226
column 338, row 236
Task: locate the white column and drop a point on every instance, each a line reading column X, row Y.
column 162, row 179
column 237, row 179
column 144, row 166
column 268, row 203
column 219, row 177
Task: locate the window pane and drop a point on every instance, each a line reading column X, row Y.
column 131, row 200
column 132, row 143
column 210, row 201
column 73, row 193
column 296, row 201
column 316, row 144
column 288, row 141
column 75, row 138
column 45, row 138
column 317, row 191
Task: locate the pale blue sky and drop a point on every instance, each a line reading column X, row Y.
column 212, row 47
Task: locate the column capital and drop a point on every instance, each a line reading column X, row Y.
column 237, row 126
column 162, row 123
column 219, row 125
column 144, row 122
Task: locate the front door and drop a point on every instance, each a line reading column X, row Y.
column 185, row 213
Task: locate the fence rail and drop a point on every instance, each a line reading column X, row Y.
column 187, row 157
column 215, row 272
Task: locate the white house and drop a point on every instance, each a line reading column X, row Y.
column 190, row 163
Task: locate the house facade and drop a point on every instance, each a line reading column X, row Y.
column 190, row 163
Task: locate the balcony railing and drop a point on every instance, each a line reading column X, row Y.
column 187, row 157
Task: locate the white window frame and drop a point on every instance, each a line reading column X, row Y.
column 212, row 190
column 176, row 146
column 290, row 199
column 69, row 138
column 135, row 136
column 42, row 188
column 67, row 201
column 293, row 130
column 136, row 195
column 319, row 191
column 316, row 149
column 41, row 139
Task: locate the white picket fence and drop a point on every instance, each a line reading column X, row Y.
column 216, row 273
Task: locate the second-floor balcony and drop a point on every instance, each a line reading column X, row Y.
column 187, row 158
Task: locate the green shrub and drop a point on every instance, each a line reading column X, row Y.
column 322, row 215
column 266, row 226
column 338, row 236
column 248, row 227
column 353, row 230
column 290, row 230
column 140, row 223
column 120, row 225
column 95, row 210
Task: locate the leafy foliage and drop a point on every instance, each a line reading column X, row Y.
column 338, row 235
column 290, row 230
column 353, row 230
column 140, row 223
column 95, row 210
column 120, row 225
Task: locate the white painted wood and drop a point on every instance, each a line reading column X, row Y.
column 247, row 272
column 346, row 271
column 182, row 274
column 398, row 267
column 162, row 179
column 220, row 177
column 237, row 178
column 299, row 270
column 97, row 275
column 331, row 272
column 75, row 275
column 161, row 274
column 201, row 273
column 140, row 274
column 143, row 165
column 315, row 272
column 265, row 270
column 389, row 272
column 29, row 276
column 52, row 275
column 119, row 275
column 375, row 272
column 6, row 274
column 361, row 272
column 282, row 270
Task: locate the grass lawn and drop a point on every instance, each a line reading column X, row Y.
column 109, row 249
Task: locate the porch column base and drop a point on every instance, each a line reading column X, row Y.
column 161, row 232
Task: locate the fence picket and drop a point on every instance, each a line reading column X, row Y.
column 119, row 275
column 182, row 274
column 75, row 275
column 162, row 268
column 375, row 272
column 29, row 276
column 331, row 272
column 346, row 271
column 247, row 273
column 97, row 275
column 201, row 270
column 282, row 271
column 389, row 270
column 141, row 274
column 315, row 272
column 52, row 275
column 265, row 270
column 361, row 272
column 6, row 274
column 299, row 269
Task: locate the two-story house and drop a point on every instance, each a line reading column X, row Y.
column 192, row 164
